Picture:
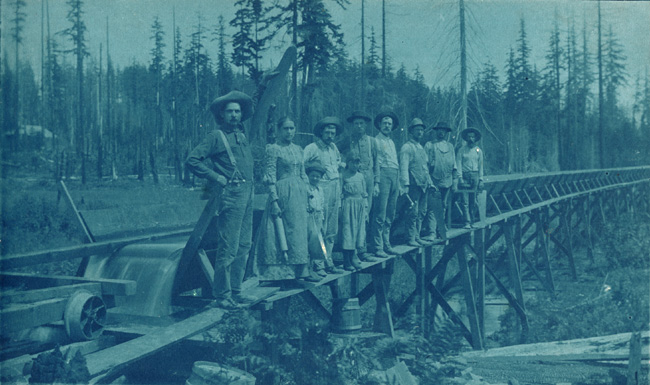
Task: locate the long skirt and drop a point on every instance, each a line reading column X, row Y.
column 292, row 199
column 353, row 223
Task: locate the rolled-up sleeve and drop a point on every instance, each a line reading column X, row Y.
column 404, row 160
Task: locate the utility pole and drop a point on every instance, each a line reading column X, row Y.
column 463, row 69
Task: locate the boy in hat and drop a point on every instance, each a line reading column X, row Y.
column 366, row 147
column 444, row 175
column 470, row 167
column 229, row 168
column 386, row 202
column 415, row 180
column 315, row 172
column 325, row 151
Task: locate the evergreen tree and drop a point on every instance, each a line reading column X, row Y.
column 247, row 43
column 77, row 34
column 224, row 71
column 18, row 25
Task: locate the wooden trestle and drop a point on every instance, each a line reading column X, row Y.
column 530, row 225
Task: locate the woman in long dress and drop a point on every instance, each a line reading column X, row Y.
column 282, row 249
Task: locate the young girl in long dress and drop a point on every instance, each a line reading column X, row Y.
column 353, row 212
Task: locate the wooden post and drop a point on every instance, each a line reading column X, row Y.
column 420, row 286
column 634, row 367
column 383, row 317
column 477, row 339
column 428, row 265
column 567, row 212
column 479, row 247
column 515, row 278
column 542, row 239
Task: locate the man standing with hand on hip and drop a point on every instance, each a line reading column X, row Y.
column 224, row 158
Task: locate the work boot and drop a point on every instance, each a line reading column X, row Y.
column 381, row 254
column 332, row 269
column 414, row 243
column 367, row 257
column 390, row 250
column 347, row 262
column 354, row 260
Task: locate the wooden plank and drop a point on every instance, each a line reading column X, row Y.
column 24, row 316
column 108, row 362
column 63, row 189
column 72, row 252
column 206, row 267
column 109, row 286
column 23, row 296
column 209, row 211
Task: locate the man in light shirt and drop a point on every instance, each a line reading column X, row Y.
column 385, row 203
column 444, row 175
column 469, row 161
column 325, row 151
column 415, row 180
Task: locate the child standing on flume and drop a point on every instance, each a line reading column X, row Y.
column 353, row 212
column 317, row 252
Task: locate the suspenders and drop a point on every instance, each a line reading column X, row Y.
column 233, row 161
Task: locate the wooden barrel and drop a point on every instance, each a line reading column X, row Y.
column 212, row 373
column 346, row 315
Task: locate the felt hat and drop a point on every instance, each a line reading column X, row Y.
column 416, row 122
column 383, row 114
column 318, row 129
column 314, row 165
column 468, row 130
column 245, row 102
column 441, row 126
column 358, row 115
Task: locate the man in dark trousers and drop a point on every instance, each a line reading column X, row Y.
column 415, row 180
column 224, row 158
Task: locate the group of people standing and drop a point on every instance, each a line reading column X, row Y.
column 330, row 196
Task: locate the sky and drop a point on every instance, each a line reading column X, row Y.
column 421, row 34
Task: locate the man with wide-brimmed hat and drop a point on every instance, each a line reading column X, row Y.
column 324, row 150
column 469, row 160
column 224, row 158
column 384, row 205
column 444, row 175
column 366, row 147
column 415, row 180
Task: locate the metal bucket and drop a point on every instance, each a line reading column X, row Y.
column 212, row 373
column 346, row 315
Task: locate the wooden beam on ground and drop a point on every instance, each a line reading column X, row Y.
column 106, row 364
column 25, row 316
column 109, row 286
column 73, row 252
column 25, row 296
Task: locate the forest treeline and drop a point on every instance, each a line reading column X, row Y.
column 144, row 118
